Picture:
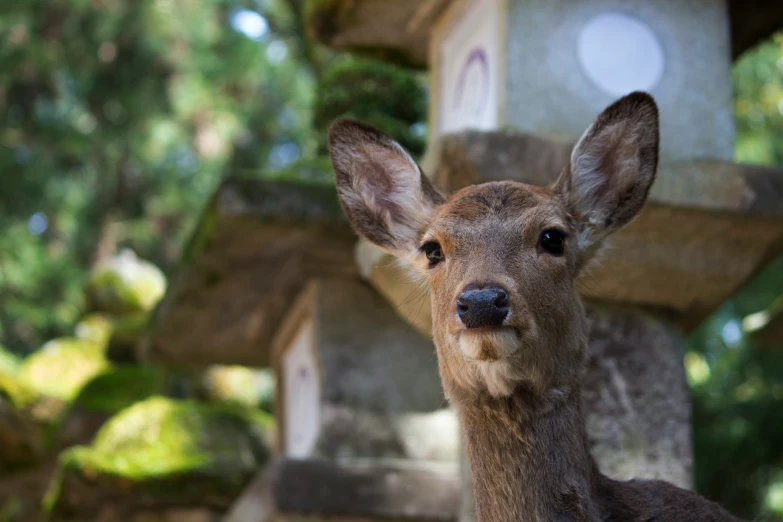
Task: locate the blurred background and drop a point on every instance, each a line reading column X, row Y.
column 118, row 123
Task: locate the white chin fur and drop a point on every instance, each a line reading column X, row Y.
column 488, row 349
column 497, row 377
column 487, row 345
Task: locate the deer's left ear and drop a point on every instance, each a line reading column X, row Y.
column 612, row 168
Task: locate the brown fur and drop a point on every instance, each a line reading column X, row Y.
column 517, row 387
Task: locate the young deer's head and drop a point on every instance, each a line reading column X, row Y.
column 501, row 258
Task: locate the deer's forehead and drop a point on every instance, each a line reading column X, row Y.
column 496, row 209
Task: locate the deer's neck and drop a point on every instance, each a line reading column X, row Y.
column 530, row 458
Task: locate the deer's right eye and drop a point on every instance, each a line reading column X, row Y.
column 433, row 252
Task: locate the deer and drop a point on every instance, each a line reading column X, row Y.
column 509, row 327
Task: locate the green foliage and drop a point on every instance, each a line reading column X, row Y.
column 738, row 386
column 758, row 86
column 124, row 285
column 117, row 120
column 377, row 93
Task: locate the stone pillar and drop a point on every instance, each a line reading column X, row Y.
column 357, row 382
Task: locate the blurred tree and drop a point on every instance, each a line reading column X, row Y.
column 737, row 386
column 116, row 121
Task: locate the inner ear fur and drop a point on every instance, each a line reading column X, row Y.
column 613, row 165
column 382, row 190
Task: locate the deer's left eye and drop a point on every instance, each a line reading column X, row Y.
column 433, row 252
column 553, row 241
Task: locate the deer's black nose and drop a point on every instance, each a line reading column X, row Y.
column 482, row 307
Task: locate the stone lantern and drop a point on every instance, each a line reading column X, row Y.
column 269, row 280
column 513, row 85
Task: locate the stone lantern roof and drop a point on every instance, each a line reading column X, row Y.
column 258, row 244
column 399, row 30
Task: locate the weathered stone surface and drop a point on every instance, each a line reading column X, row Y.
column 161, row 452
column 379, row 392
column 313, row 490
column 552, row 94
column 401, row 29
column 635, row 396
column 257, row 246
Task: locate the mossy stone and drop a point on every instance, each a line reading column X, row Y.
column 9, row 362
column 125, row 284
column 119, row 387
column 13, row 390
column 240, row 385
column 62, row 366
column 95, row 327
column 167, row 450
column 377, row 93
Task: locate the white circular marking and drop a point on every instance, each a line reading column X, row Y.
column 620, row 54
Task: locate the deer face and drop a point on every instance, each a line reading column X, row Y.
column 501, row 258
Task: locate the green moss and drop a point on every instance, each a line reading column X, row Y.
column 162, row 446
column 118, row 388
column 377, row 93
column 95, row 327
column 9, row 362
column 125, row 285
column 16, row 392
column 62, row 366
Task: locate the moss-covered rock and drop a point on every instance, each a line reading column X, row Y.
column 125, row 284
column 377, row 93
column 9, row 362
column 96, row 328
column 240, row 385
column 119, row 387
column 111, row 391
column 167, row 450
column 62, row 366
column 16, row 392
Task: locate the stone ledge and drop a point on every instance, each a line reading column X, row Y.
column 707, row 228
column 400, row 29
column 356, row 491
column 257, row 245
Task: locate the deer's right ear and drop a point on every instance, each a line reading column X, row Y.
column 382, row 190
